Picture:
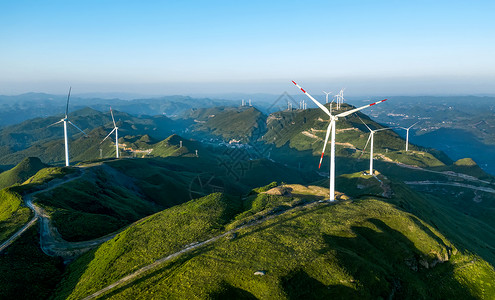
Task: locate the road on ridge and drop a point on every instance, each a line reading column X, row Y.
column 51, row 242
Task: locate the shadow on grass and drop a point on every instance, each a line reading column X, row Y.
column 387, row 264
column 227, row 292
column 299, row 285
column 72, row 275
column 26, row 272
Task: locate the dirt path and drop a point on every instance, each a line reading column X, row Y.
column 446, row 173
column 194, row 246
column 17, row 234
column 457, row 184
column 27, row 199
column 51, row 242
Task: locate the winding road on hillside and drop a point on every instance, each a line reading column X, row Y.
column 51, row 242
column 196, row 245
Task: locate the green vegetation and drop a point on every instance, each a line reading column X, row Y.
column 171, row 147
column 466, row 162
column 414, row 158
column 356, row 250
column 162, row 233
column 245, row 124
column 96, row 204
column 12, row 215
column 27, row 273
column 25, row 169
column 47, row 174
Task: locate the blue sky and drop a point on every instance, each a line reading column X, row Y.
column 191, row 47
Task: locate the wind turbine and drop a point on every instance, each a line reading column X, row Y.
column 66, row 120
column 333, row 119
column 340, row 98
column 116, row 129
column 326, row 96
column 371, row 137
column 407, row 134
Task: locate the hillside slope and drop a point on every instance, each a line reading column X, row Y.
column 20, row 173
column 35, row 137
column 245, row 124
column 351, row 250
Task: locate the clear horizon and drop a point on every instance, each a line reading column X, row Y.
column 215, row 47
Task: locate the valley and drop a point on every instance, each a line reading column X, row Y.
column 226, row 202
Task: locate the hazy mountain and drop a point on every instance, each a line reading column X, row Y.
column 15, row 109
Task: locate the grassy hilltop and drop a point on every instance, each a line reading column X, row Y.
column 364, row 248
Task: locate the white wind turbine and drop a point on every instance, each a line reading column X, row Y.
column 407, row 134
column 340, row 98
column 116, row 129
column 371, row 137
column 333, row 119
column 66, row 120
column 326, row 96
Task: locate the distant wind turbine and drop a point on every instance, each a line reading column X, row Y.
column 339, row 98
column 371, row 137
column 66, row 120
column 407, row 134
column 326, row 96
column 116, row 129
column 333, row 119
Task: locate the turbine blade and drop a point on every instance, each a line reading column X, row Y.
column 77, row 128
column 364, row 124
column 67, row 107
column 387, row 128
column 329, row 129
column 55, row 123
column 112, row 117
column 413, row 125
column 314, row 100
column 108, row 135
column 369, row 138
column 346, row 113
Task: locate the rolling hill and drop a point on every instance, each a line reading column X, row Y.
column 368, row 248
column 215, row 224
column 20, row 173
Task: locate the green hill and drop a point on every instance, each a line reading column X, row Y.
column 35, row 138
column 304, row 130
column 20, row 173
column 365, row 248
column 171, row 146
column 110, row 195
column 244, row 124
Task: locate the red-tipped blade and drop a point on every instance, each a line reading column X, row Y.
column 313, row 99
column 321, row 159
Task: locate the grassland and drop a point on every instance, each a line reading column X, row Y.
column 25, row 169
column 12, row 214
column 365, row 248
column 27, row 273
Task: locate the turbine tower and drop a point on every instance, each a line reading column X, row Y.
column 371, row 137
column 407, row 134
column 333, row 119
column 66, row 120
column 116, row 129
